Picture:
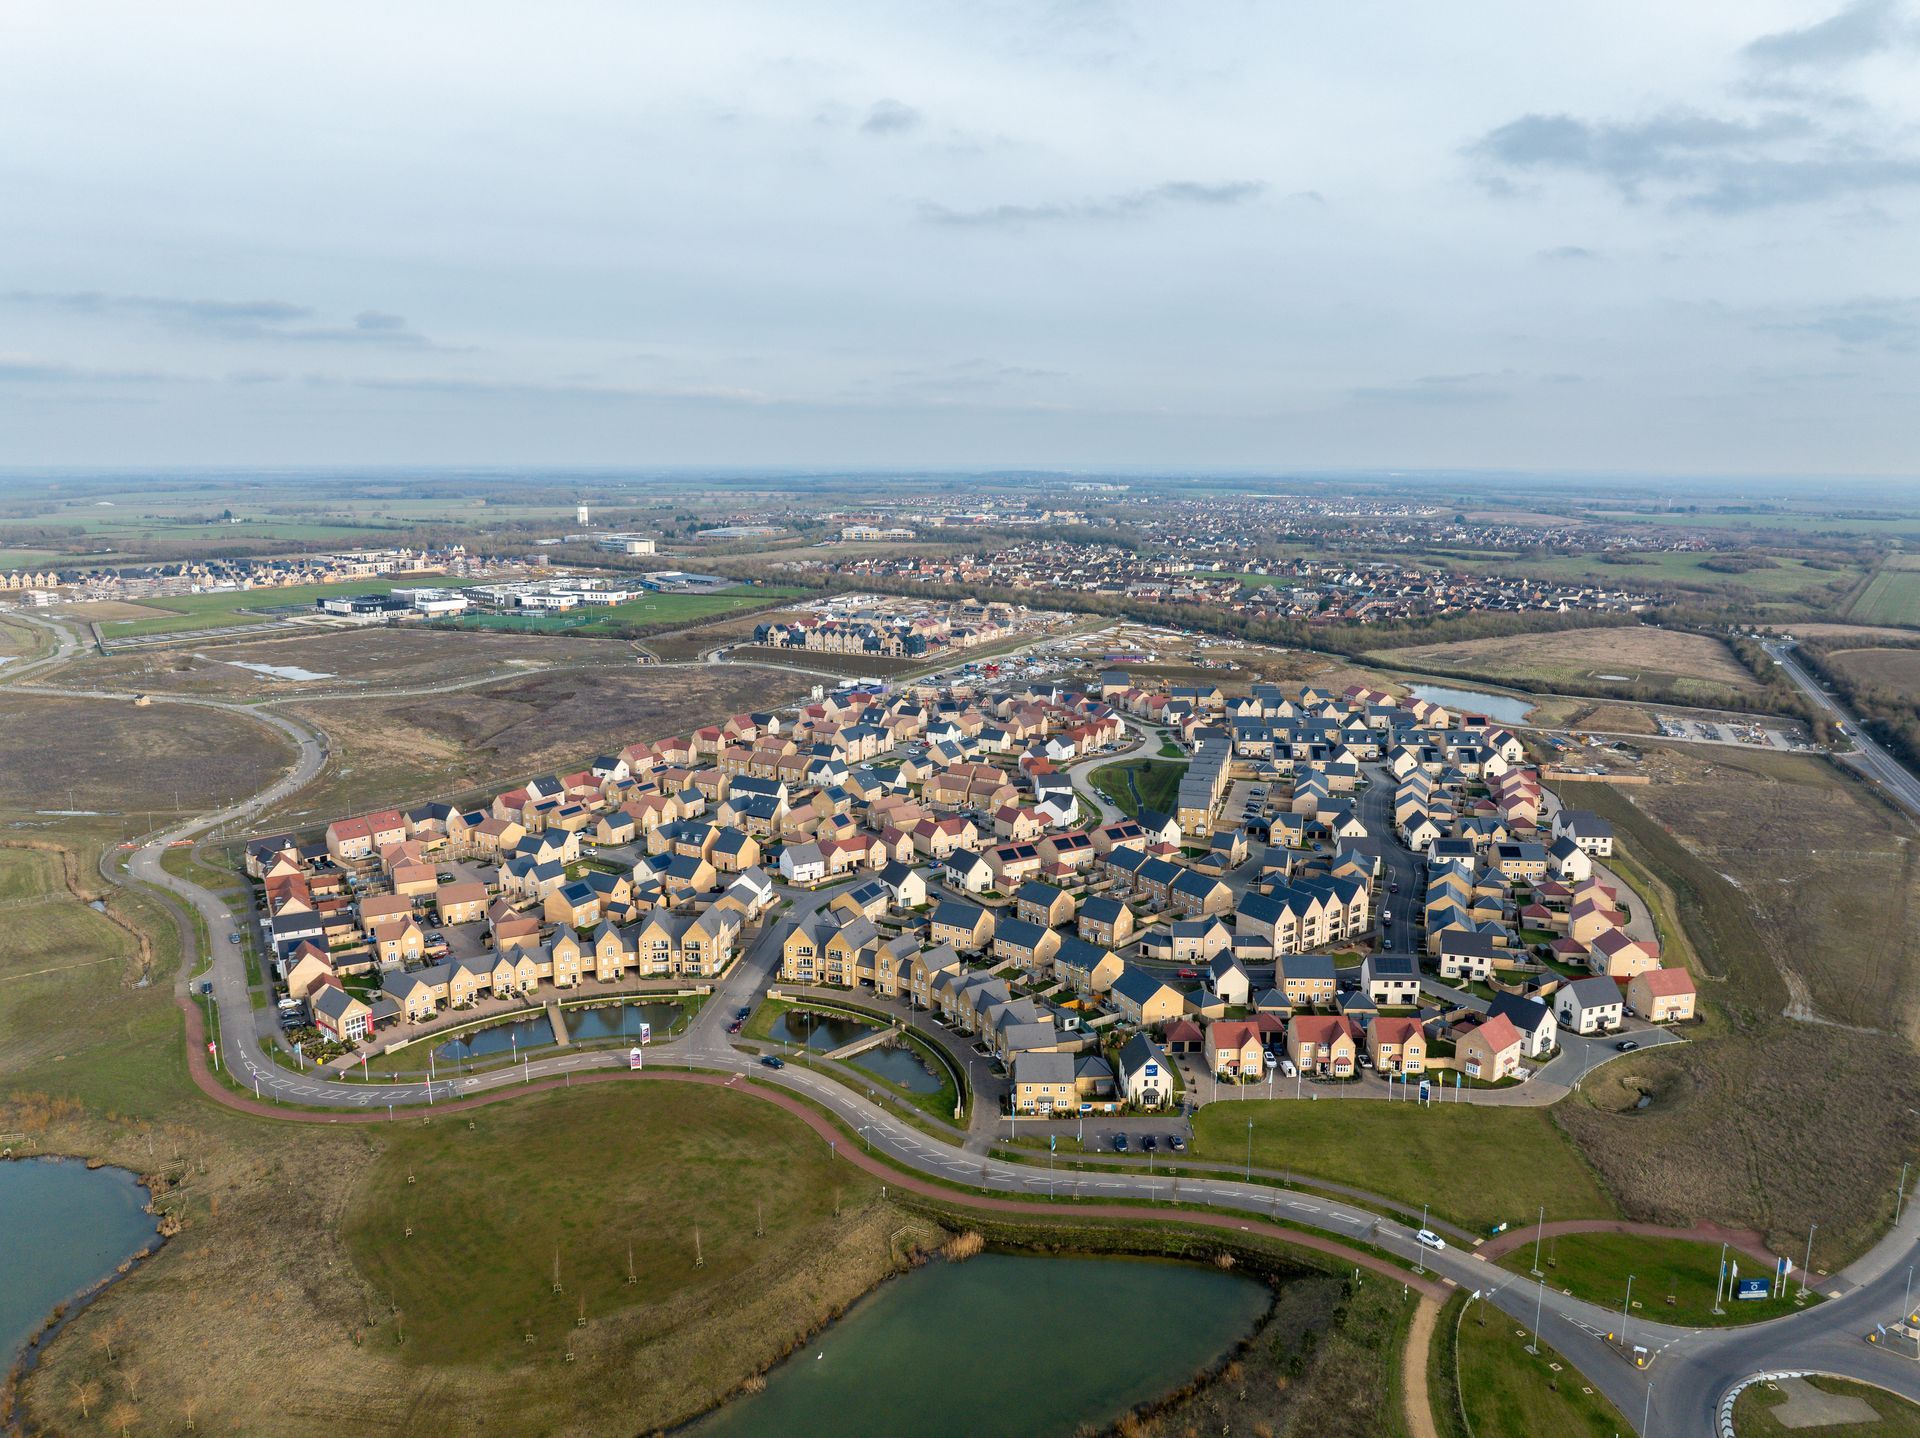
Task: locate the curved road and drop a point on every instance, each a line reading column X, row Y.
column 1885, row 771
column 1691, row 1368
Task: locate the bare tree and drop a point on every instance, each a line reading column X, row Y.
column 85, row 1395
column 123, row 1416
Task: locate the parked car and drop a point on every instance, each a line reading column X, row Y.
column 1288, row 1070
column 743, row 1011
column 1119, row 1143
column 1177, row 1144
column 1627, row 1046
column 734, row 1027
column 773, row 1061
column 1149, row 1143
column 1429, row 1239
column 1189, row 973
column 234, row 937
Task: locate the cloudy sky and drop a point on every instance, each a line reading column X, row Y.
column 1611, row 235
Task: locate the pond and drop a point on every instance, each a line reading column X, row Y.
column 507, row 1038
column 900, row 1064
column 1503, row 707
column 1002, row 1343
column 64, row 1228
column 612, row 1021
column 820, row 1032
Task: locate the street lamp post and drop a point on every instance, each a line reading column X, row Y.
column 1805, row 1267
column 1539, row 1302
column 1624, row 1315
column 1720, row 1281
column 1538, row 1234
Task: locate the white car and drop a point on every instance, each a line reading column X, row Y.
column 1429, row 1239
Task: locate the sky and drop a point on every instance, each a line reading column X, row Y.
column 1646, row 237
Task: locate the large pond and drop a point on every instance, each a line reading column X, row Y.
column 1504, row 707
column 507, row 1038
column 1041, row 1347
column 821, row 1032
column 899, row 1064
column 63, row 1228
column 612, row 1021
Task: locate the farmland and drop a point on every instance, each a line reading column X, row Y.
column 1892, row 596
column 1779, row 579
column 1665, row 661
column 1797, row 891
column 1894, row 670
column 1436, row 1155
column 386, row 749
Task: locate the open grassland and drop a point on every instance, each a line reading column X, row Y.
column 1506, row 1390
column 67, row 971
column 1895, row 670
column 385, row 750
column 1674, row 1279
column 1892, row 1416
column 111, row 757
column 347, row 660
column 650, row 611
column 705, row 1177
column 1664, row 661
column 1781, row 578
column 1840, row 635
column 1140, row 784
column 697, row 639
column 18, row 639
column 1439, row 1155
column 1796, row 892
column 1892, row 596
column 253, row 606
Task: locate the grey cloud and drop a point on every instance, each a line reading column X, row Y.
column 1863, row 28
column 1569, row 252
column 890, row 117
column 1434, row 389
column 18, row 370
column 1863, row 324
column 1125, row 206
column 275, row 320
column 1695, row 160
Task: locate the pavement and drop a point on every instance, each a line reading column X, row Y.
column 1678, row 1396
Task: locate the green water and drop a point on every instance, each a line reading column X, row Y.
column 63, row 1228
column 1000, row 1344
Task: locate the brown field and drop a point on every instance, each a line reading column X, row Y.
column 1839, row 634
column 1690, row 666
column 108, row 756
column 1802, row 904
column 1894, row 670
column 387, row 750
column 375, row 658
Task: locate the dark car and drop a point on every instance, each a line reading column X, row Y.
column 1149, row 1143
column 743, row 1011
column 734, row 1027
column 1119, row 1143
column 773, row 1061
column 1627, row 1046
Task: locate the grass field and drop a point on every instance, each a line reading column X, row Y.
column 1797, row 894
column 490, row 1207
column 1894, row 1417
column 1508, row 1391
column 654, row 609
column 1140, row 784
column 1594, row 1267
column 695, row 640
column 1667, row 661
column 1892, row 596
column 250, row 606
column 1438, row 1155
column 111, row 757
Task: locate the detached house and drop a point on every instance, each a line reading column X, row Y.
column 1490, row 1050
column 1589, row 1006
column 1662, row 995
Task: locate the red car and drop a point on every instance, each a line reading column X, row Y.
column 1189, row 973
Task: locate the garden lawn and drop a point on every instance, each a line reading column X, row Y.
column 1476, row 1165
